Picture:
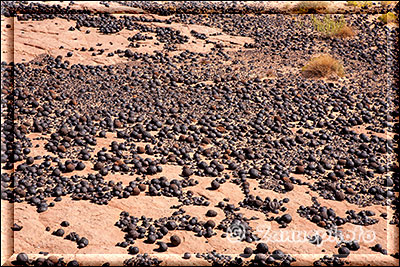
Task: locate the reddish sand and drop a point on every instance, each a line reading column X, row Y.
column 29, row 39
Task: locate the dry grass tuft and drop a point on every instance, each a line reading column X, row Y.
column 304, row 7
column 205, row 61
column 345, row 32
column 322, row 66
column 270, row 73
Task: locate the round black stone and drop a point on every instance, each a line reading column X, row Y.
column 175, row 240
column 22, row 258
column 262, row 248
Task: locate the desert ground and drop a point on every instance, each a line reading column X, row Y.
column 199, row 133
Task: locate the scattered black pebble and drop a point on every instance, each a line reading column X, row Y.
column 16, row 227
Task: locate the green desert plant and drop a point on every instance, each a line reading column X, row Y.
column 322, row 66
column 388, row 17
column 331, row 27
column 304, row 7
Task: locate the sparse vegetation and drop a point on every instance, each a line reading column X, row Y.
column 331, row 27
column 388, row 17
column 361, row 4
column 388, row 3
column 345, row 32
column 270, row 73
column 205, row 62
column 304, row 7
column 322, row 66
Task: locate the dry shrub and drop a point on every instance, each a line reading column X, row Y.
column 205, row 61
column 304, row 7
column 270, row 73
column 322, row 66
column 345, row 32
